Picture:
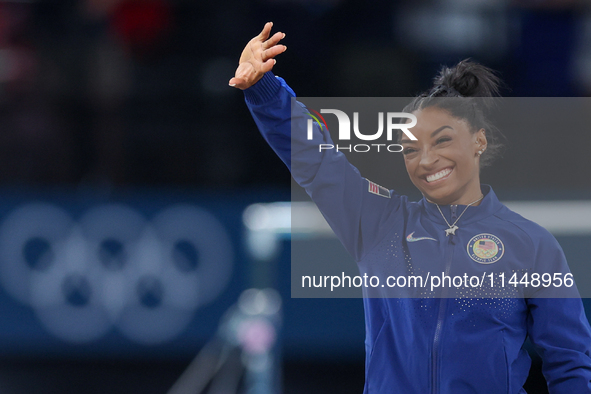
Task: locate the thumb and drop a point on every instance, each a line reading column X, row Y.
column 233, row 81
column 238, row 83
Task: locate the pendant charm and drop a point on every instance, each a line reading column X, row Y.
column 451, row 230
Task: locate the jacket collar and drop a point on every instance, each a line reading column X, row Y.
column 487, row 207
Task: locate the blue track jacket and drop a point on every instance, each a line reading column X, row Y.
column 449, row 345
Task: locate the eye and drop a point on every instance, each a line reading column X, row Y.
column 443, row 139
column 408, row 151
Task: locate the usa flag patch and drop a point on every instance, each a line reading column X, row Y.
column 377, row 189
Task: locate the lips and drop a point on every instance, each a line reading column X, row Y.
column 438, row 175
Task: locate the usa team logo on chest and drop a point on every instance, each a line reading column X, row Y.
column 485, row 248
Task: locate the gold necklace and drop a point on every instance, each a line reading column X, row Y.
column 452, row 227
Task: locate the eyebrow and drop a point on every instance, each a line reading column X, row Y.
column 433, row 134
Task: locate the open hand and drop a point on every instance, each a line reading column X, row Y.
column 258, row 57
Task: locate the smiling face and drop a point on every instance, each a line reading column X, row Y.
column 444, row 163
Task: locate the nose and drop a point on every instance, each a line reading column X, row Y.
column 428, row 157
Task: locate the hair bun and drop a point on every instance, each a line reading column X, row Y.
column 467, row 78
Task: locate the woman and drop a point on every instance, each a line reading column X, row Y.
column 467, row 343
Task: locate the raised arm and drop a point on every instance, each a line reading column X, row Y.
column 354, row 212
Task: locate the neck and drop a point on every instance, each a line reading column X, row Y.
column 472, row 199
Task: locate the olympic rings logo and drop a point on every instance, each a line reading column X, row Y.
column 113, row 268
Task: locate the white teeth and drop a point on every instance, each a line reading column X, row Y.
column 439, row 175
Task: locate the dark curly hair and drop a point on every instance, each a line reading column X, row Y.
column 466, row 91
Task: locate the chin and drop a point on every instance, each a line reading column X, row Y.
column 442, row 195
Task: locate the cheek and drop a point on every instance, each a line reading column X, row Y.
column 468, row 161
column 409, row 166
column 464, row 152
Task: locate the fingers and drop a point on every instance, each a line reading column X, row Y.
column 268, row 65
column 264, row 34
column 272, row 52
column 274, row 40
column 258, row 58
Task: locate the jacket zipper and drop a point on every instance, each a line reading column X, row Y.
column 442, row 311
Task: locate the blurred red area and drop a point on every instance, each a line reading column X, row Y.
column 141, row 25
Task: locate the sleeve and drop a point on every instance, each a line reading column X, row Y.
column 357, row 216
column 560, row 330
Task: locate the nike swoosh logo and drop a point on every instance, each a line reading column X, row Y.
column 410, row 238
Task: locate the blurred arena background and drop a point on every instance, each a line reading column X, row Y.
column 127, row 165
